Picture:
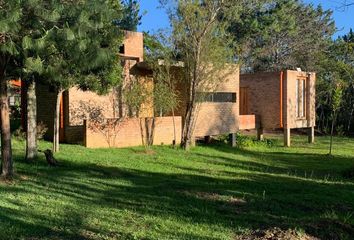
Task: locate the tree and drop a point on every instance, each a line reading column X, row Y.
column 131, row 15
column 10, row 14
column 37, row 21
column 336, row 104
column 281, row 34
column 82, row 51
column 338, row 61
column 202, row 44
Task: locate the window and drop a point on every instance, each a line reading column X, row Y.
column 300, row 98
column 217, row 97
column 122, row 49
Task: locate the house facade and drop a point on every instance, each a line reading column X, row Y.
column 280, row 100
column 255, row 101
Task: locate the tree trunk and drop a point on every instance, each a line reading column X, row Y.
column 56, row 133
column 31, row 133
column 332, row 132
column 187, row 133
column 350, row 119
column 174, row 129
column 142, row 132
column 150, row 130
column 6, row 150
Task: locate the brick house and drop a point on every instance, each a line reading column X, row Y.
column 281, row 100
column 259, row 101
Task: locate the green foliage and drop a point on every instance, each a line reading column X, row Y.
column 131, row 15
column 200, row 40
column 165, row 99
column 335, row 85
column 280, row 34
column 135, row 96
column 243, row 141
column 201, row 43
column 71, row 43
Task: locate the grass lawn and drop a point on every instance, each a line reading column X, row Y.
column 212, row 192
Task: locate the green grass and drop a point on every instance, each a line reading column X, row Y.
column 212, row 192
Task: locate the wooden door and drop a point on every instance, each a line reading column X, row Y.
column 244, row 106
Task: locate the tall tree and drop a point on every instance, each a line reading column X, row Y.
column 131, row 15
column 337, row 61
column 281, row 34
column 10, row 14
column 37, row 21
column 199, row 37
column 83, row 50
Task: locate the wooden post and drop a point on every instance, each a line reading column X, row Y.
column 232, row 138
column 286, row 137
column 311, row 134
column 260, row 135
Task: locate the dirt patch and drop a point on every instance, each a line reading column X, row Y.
column 145, row 152
column 216, row 197
column 331, row 229
column 275, row 234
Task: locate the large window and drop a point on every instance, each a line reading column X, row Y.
column 217, row 97
column 300, row 98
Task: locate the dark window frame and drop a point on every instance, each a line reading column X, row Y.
column 218, row 97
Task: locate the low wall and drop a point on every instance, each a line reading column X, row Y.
column 248, row 122
column 127, row 132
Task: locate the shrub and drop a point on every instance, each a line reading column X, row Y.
column 41, row 130
column 20, row 134
column 246, row 141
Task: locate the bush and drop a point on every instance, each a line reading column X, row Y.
column 20, row 134
column 41, row 130
column 243, row 141
column 246, row 141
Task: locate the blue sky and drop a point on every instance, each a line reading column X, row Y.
column 156, row 18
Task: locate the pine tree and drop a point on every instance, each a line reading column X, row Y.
column 282, row 34
column 83, row 50
column 10, row 14
column 131, row 15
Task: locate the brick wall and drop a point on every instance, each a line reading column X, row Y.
column 214, row 118
column 128, row 133
column 290, row 117
column 134, row 45
column 248, row 122
column 263, row 97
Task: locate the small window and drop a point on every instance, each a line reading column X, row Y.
column 218, row 97
column 122, row 49
column 300, row 98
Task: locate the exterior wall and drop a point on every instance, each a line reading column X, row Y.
column 134, row 45
column 248, row 122
column 264, row 97
column 290, row 118
column 214, row 118
column 86, row 104
column 220, row 118
column 129, row 134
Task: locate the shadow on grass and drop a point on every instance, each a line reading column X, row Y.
column 233, row 200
